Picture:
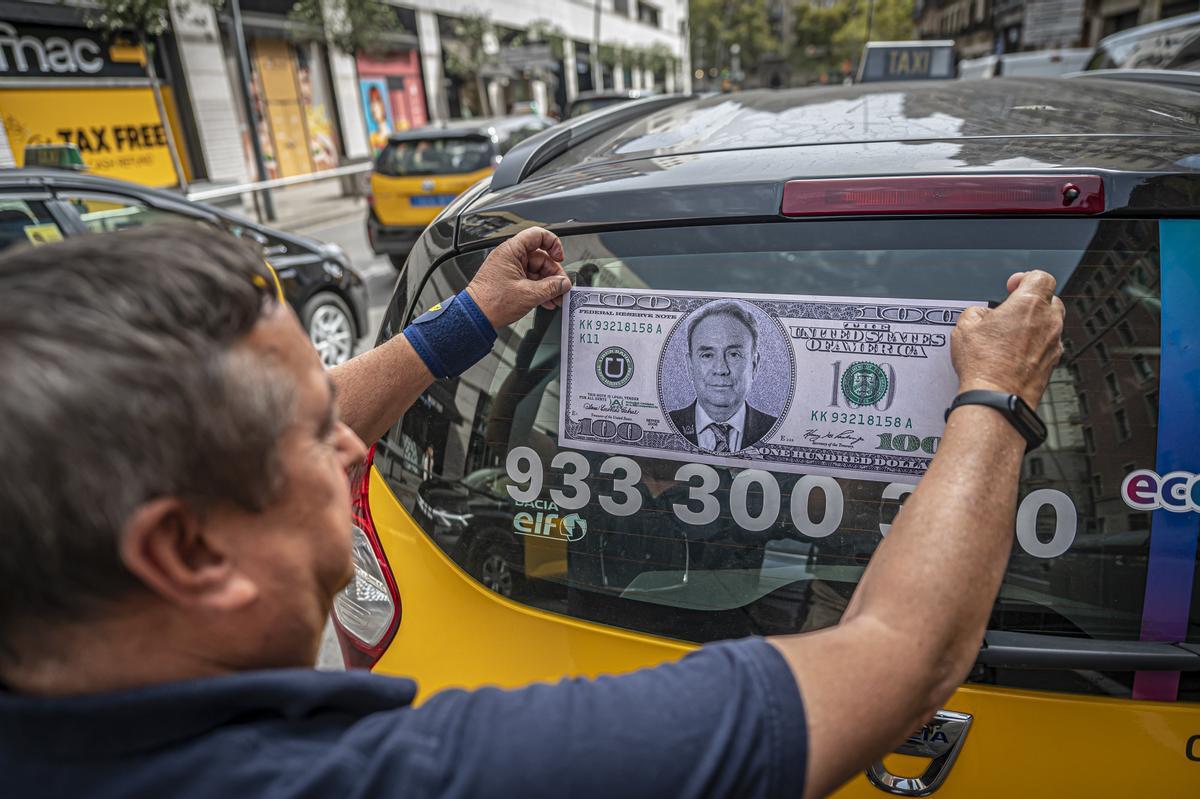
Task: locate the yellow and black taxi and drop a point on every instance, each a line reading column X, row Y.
column 420, row 171
column 488, row 552
column 42, row 205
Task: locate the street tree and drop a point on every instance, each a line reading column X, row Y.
column 466, row 52
column 352, row 26
column 717, row 25
column 890, row 21
column 144, row 21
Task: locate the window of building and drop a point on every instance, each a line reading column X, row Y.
column 1122, row 420
column 1037, row 468
column 621, row 7
column 1083, row 404
column 1101, row 314
column 1152, row 405
column 1143, row 368
column 1089, row 440
column 1125, row 331
column 1098, row 485
column 1113, row 386
column 1102, row 352
column 1137, row 522
column 647, row 14
column 1113, row 306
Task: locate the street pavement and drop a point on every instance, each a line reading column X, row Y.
column 350, row 232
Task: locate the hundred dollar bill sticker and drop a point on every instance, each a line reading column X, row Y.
column 843, row 386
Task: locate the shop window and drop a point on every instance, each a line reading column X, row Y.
column 24, row 222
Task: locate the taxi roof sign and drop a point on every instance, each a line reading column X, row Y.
column 57, row 156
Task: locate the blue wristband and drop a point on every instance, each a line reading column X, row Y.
column 451, row 336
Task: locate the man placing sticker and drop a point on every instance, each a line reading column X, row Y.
column 176, row 523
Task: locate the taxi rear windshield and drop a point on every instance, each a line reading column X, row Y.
column 438, row 156
column 700, row 554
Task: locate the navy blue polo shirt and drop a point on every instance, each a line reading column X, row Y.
column 724, row 721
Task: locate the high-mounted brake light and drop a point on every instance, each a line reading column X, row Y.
column 366, row 612
column 952, row 194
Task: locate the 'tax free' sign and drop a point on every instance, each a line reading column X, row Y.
column 117, row 130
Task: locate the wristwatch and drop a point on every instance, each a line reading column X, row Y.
column 1014, row 409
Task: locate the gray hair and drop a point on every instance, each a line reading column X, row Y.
column 724, row 308
column 121, row 385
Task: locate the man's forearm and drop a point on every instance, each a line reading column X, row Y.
column 950, row 542
column 377, row 387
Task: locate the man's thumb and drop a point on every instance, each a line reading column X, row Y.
column 549, row 288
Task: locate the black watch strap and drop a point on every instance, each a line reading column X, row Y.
column 1018, row 413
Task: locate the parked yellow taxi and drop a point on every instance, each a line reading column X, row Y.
column 513, row 527
column 420, row 171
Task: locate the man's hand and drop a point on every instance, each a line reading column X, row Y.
column 1012, row 348
column 520, row 274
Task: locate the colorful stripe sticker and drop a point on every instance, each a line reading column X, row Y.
column 1173, row 535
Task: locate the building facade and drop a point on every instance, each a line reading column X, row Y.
column 983, row 27
column 252, row 80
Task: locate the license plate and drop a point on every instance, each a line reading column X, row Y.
column 431, row 199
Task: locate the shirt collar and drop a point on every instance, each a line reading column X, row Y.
column 157, row 715
column 737, row 421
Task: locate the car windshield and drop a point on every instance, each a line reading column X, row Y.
column 1171, row 45
column 436, row 156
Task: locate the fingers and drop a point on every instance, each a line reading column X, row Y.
column 972, row 316
column 1035, row 283
column 1014, row 280
column 536, row 238
column 548, row 290
column 1057, row 304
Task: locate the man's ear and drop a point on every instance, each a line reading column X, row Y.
column 165, row 544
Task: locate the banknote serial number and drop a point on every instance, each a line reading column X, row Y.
column 863, row 419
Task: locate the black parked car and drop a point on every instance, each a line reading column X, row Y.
column 926, row 190
column 44, row 205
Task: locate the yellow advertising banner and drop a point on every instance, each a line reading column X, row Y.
column 117, row 130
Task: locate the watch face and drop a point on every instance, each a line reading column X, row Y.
column 1027, row 417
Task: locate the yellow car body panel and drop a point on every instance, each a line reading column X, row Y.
column 393, row 195
column 453, row 632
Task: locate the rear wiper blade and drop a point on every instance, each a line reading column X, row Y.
column 1035, row 651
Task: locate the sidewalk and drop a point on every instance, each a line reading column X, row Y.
column 304, row 205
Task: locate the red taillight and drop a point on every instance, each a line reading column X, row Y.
column 366, row 612
column 955, row 194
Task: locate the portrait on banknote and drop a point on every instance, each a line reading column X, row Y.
column 841, row 386
column 725, row 376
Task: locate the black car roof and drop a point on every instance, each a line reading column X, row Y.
column 914, row 111
column 456, row 128
column 727, row 156
column 22, row 177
